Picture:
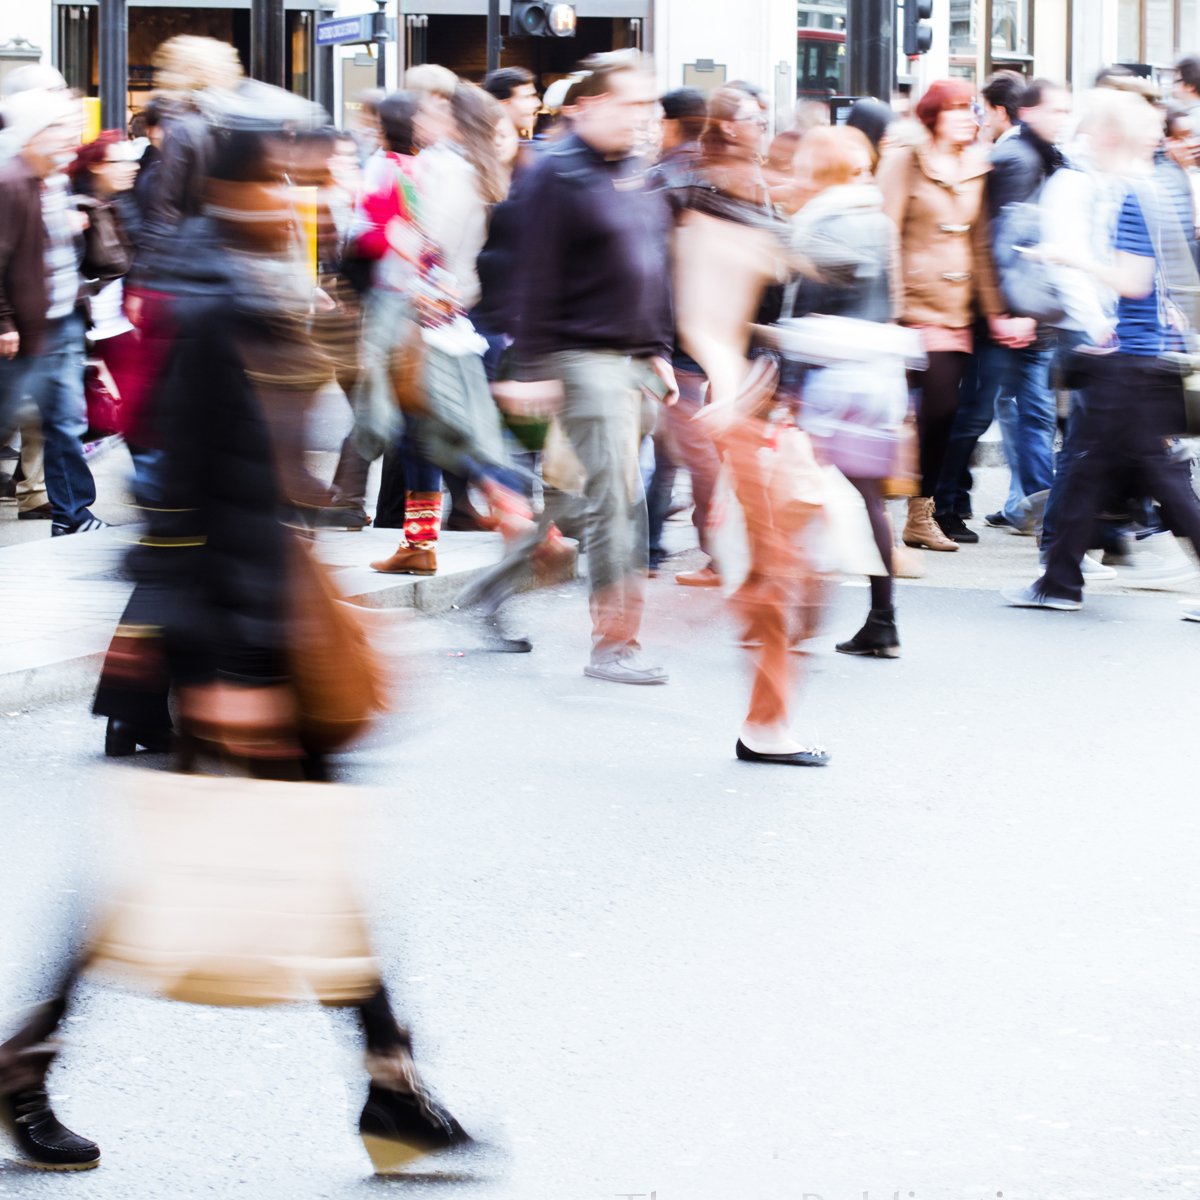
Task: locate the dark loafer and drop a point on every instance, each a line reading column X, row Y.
column 801, row 758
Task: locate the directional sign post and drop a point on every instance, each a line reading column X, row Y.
column 344, row 30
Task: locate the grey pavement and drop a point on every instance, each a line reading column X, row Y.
column 62, row 597
column 960, row 961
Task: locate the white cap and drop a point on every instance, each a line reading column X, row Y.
column 556, row 93
column 27, row 113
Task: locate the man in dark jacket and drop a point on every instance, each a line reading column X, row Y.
column 1015, row 383
column 594, row 311
column 41, row 333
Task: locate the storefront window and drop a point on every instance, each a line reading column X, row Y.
column 1188, row 27
column 1010, row 28
column 1011, row 41
column 1160, row 31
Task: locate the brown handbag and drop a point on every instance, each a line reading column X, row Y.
column 406, row 370
column 338, row 679
column 905, row 479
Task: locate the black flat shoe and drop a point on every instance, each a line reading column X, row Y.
column 801, row 758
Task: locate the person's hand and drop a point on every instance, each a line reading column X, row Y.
column 78, row 221
column 1060, row 256
column 133, row 308
column 403, row 238
column 666, row 373
column 1013, row 333
column 10, row 343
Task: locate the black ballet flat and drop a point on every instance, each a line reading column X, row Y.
column 801, row 758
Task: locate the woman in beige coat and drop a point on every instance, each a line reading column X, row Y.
column 935, row 194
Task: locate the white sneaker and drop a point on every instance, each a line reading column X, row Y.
column 1093, row 570
column 626, row 669
column 1089, row 567
column 1157, row 564
column 1191, row 611
column 1031, row 597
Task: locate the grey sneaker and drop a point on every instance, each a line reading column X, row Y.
column 628, row 668
column 1030, row 597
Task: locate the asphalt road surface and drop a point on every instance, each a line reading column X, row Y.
column 960, row 961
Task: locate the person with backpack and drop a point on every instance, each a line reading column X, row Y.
column 1132, row 389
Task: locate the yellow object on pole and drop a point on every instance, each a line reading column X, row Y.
column 91, row 119
column 305, row 200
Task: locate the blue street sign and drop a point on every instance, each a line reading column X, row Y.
column 345, row 29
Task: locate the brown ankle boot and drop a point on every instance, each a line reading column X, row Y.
column 921, row 530
column 408, row 560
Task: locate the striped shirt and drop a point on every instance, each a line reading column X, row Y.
column 62, row 256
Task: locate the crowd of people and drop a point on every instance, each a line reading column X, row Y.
column 539, row 315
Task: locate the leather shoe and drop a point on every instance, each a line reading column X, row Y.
column 800, row 758
column 408, row 560
column 43, row 512
column 706, row 577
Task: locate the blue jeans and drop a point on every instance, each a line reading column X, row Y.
column 1028, row 425
column 53, row 380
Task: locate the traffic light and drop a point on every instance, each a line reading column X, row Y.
column 918, row 36
column 541, row 18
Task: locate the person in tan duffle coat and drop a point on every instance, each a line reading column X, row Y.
column 934, row 192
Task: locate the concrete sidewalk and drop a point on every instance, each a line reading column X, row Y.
column 61, row 599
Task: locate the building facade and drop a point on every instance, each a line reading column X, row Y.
column 794, row 49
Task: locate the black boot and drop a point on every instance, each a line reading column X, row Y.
column 42, row 1140
column 401, row 1121
column 877, row 638
column 122, row 739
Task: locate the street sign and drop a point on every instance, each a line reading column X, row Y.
column 346, row 29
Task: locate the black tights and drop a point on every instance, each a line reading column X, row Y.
column 382, row 1033
column 871, row 491
column 939, row 386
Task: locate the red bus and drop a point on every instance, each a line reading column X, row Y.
column 820, row 63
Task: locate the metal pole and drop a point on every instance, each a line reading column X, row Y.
column 494, row 44
column 114, row 63
column 381, row 41
column 871, row 36
column 983, row 42
column 266, row 41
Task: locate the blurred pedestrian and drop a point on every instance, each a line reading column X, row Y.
column 216, row 573
column 1132, row 403
column 594, row 312
column 849, row 263
column 514, row 88
column 41, row 332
